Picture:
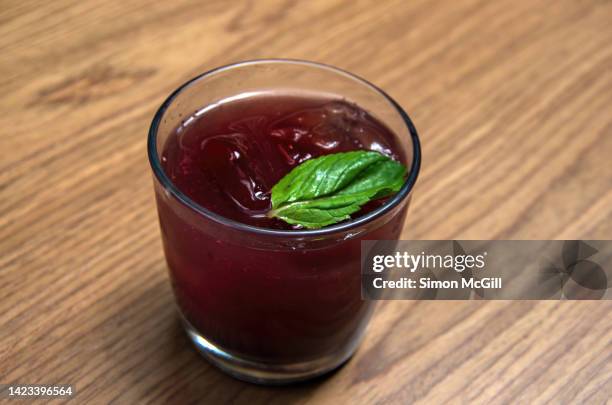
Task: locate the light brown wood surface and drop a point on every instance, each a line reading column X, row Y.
column 513, row 103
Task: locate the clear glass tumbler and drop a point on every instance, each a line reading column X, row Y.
column 272, row 306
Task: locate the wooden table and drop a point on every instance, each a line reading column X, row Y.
column 512, row 100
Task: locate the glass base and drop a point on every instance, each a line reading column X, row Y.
column 263, row 373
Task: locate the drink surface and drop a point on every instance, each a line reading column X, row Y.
column 227, row 157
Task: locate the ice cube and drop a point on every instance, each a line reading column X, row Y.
column 357, row 127
column 249, row 125
column 328, row 137
column 233, row 160
column 370, row 138
column 340, row 110
column 293, row 135
column 302, row 120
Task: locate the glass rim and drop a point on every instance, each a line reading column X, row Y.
column 403, row 193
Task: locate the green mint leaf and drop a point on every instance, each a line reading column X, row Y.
column 328, row 189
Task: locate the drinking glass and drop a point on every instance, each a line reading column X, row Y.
column 265, row 305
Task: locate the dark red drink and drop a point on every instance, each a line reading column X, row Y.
column 263, row 299
column 289, row 306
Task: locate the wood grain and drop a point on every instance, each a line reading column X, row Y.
column 512, row 100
